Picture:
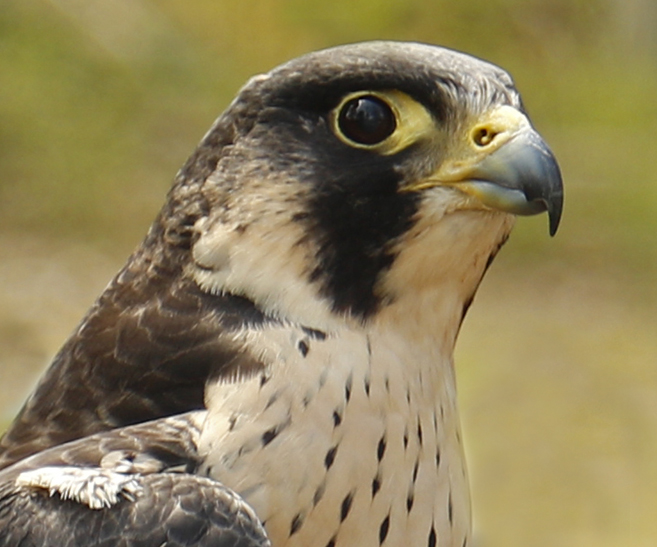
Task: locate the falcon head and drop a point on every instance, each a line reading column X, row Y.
column 352, row 179
column 361, row 189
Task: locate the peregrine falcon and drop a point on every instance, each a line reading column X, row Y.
column 274, row 364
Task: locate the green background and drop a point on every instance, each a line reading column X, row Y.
column 101, row 101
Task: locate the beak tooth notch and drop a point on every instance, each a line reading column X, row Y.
column 516, row 171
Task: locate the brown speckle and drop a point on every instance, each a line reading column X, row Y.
column 415, row 469
column 381, row 449
column 346, row 506
column 330, row 457
column 376, row 485
column 269, row 435
column 450, row 510
column 272, row 399
column 432, row 537
column 314, row 333
column 383, row 529
column 303, row 347
column 319, row 493
column 297, row 521
column 347, row 388
column 337, row 418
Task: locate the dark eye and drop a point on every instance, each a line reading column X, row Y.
column 366, row 120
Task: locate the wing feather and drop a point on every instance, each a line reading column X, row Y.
column 145, row 351
column 132, row 486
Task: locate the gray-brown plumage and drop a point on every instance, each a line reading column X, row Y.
column 301, row 290
column 143, row 483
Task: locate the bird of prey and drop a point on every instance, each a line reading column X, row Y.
column 274, row 363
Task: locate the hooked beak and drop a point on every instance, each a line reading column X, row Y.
column 506, row 165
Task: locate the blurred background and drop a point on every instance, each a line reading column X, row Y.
column 101, row 102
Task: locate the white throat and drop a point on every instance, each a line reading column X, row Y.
column 350, row 437
column 328, row 446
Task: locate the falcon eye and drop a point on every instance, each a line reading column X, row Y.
column 382, row 121
column 366, row 120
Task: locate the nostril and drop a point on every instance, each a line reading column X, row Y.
column 483, row 136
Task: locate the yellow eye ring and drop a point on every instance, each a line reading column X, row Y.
column 384, row 122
